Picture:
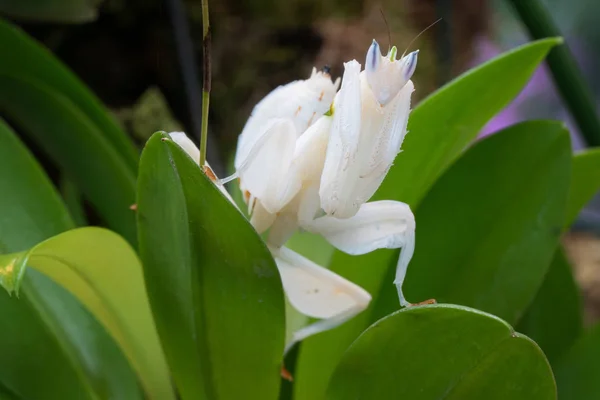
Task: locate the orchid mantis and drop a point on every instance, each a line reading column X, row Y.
column 310, row 158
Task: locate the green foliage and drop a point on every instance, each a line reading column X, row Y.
column 442, row 351
column 577, row 372
column 214, row 288
column 99, row 268
column 555, row 325
column 497, row 213
column 554, row 319
column 49, row 104
column 79, row 359
column 585, row 182
column 76, row 145
column 32, row 61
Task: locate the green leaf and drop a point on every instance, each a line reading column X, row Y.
column 213, row 285
column 442, row 352
column 51, row 347
column 553, row 324
column 554, row 319
column 5, row 394
column 76, row 145
column 440, row 128
column 60, row 11
column 74, row 201
column 99, row 268
column 577, row 372
column 489, row 227
column 32, row 61
column 585, row 182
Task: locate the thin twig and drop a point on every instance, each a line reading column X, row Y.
column 187, row 62
column 206, row 80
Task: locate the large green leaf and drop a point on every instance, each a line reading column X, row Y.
column 577, row 372
column 489, row 227
column 554, row 319
column 32, row 61
column 51, row 10
column 553, row 324
column 50, row 346
column 442, row 352
column 440, row 128
column 76, row 145
column 213, row 286
column 103, row 272
column 585, row 182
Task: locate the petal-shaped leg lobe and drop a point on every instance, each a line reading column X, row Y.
column 380, row 224
column 340, row 167
column 268, row 172
column 377, row 225
column 190, row 148
column 261, row 219
column 317, row 292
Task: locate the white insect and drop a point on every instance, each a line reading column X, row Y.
column 371, row 114
column 306, row 163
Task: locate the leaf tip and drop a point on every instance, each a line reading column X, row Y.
column 9, row 277
column 552, row 41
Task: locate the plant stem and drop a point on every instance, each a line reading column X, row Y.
column 187, row 63
column 205, row 81
column 565, row 72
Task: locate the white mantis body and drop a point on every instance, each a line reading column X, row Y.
column 301, row 167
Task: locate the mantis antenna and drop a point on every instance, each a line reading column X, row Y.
column 420, row 33
column 386, row 27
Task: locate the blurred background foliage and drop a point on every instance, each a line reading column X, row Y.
column 127, row 54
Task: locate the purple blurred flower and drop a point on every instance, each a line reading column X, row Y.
column 539, row 84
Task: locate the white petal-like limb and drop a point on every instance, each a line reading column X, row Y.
column 260, row 218
column 340, row 169
column 302, row 102
column 190, row 148
column 268, row 172
column 311, row 149
column 309, row 204
column 384, row 130
column 377, row 225
column 282, row 229
column 266, row 109
column 187, row 145
column 396, row 121
column 317, row 292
